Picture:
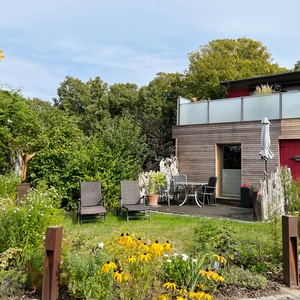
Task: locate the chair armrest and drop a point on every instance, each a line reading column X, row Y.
column 142, row 200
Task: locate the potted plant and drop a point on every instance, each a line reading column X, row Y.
column 151, row 182
column 246, row 195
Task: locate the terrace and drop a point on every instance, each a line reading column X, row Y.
column 250, row 108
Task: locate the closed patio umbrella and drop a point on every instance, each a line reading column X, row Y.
column 265, row 152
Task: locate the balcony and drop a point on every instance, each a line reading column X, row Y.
column 252, row 108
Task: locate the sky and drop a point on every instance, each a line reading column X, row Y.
column 130, row 41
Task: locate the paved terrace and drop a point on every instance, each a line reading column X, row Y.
column 218, row 211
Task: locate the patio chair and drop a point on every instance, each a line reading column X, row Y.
column 164, row 193
column 91, row 205
column 179, row 190
column 209, row 191
column 132, row 202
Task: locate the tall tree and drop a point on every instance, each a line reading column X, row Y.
column 122, row 98
column 85, row 100
column 157, row 114
column 226, row 59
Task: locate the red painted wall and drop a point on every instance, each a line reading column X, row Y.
column 238, row 93
column 287, row 149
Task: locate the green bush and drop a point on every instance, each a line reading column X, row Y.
column 8, row 187
column 24, row 225
column 244, row 278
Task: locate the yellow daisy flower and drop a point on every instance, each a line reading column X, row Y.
column 109, row 265
column 145, row 257
column 167, row 246
column 170, row 286
column 156, row 248
column 131, row 259
column 144, row 247
column 120, row 276
column 220, row 259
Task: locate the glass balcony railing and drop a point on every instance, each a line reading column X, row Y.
column 252, row 108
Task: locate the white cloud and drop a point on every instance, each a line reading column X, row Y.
column 130, row 41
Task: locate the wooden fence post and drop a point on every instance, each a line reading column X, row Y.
column 290, row 250
column 52, row 263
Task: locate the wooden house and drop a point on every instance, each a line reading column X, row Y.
column 222, row 137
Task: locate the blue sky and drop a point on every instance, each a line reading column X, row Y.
column 130, row 41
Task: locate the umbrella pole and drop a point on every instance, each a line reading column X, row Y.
column 266, row 174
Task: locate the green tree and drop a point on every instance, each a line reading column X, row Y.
column 122, row 98
column 88, row 101
column 19, row 128
column 297, row 66
column 157, row 114
column 226, row 59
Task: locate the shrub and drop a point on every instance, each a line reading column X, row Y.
column 24, row 225
column 244, row 278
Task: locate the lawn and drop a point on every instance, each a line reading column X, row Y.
column 180, row 231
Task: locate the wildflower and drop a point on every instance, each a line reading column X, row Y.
column 207, row 296
column 220, row 259
column 145, row 257
column 184, row 257
column 180, row 297
column 131, row 259
column 122, row 239
column 1, row 55
column 109, row 265
column 167, row 246
column 164, row 297
column 156, row 248
column 101, row 245
column 144, row 247
column 170, row 286
column 120, row 276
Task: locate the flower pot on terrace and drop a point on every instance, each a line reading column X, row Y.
column 152, row 200
column 246, row 197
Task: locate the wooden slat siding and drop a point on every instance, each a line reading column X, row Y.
column 196, row 148
column 290, row 129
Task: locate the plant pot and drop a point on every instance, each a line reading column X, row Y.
column 246, row 197
column 152, row 200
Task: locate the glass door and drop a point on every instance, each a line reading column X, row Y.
column 230, row 170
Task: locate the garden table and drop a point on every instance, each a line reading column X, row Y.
column 192, row 189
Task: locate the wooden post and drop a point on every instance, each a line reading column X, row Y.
column 52, row 263
column 290, row 250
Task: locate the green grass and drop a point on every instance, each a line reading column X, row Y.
column 178, row 230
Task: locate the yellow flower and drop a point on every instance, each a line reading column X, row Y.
column 217, row 277
column 144, row 247
column 220, row 259
column 170, row 286
column 109, row 265
column 167, row 246
column 207, row 296
column 131, row 259
column 145, row 257
column 122, row 239
column 180, row 297
column 1, row 56
column 164, row 297
column 120, row 276
column 156, row 248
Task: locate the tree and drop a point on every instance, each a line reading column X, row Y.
column 297, row 66
column 88, row 101
column 157, row 114
column 226, row 59
column 122, row 98
column 19, row 129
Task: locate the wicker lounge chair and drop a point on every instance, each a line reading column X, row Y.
column 91, row 205
column 131, row 201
